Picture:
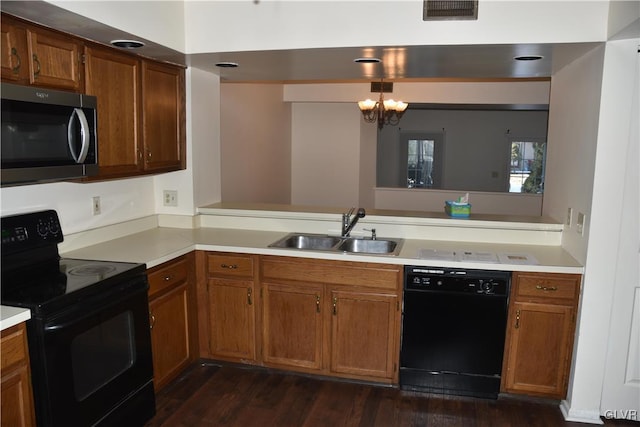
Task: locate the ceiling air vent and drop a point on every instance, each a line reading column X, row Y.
column 439, row 10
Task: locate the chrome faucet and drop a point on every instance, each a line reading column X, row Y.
column 348, row 223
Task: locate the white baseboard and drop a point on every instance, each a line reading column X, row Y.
column 579, row 416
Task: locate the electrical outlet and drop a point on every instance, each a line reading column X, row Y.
column 580, row 223
column 569, row 219
column 97, row 209
column 170, row 197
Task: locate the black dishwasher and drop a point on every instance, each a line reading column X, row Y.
column 453, row 330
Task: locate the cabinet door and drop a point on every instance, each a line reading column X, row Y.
column 169, row 334
column 114, row 79
column 364, row 333
column 292, row 325
column 13, row 51
column 54, row 60
column 232, row 319
column 537, row 360
column 163, row 116
column 15, row 389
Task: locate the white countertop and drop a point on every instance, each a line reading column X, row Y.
column 10, row 316
column 158, row 245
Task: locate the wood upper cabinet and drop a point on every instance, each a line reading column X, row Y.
column 172, row 318
column 231, row 297
column 13, row 48
column 36, row 56
column 540, row 333
column 114, row 78
column 163, row 116
column 15, row 393
column 335, row 318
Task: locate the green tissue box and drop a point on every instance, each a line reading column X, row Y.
column 457, row 210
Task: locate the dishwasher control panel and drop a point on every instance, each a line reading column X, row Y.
column 480, row 282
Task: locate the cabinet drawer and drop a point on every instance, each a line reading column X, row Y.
column 14, row 348
column 230, row 265
column 547, row 286
column 167, row 275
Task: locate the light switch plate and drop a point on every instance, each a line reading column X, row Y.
column 580, row 223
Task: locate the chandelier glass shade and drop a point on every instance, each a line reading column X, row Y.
column 383, row 111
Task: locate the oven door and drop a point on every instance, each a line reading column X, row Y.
column 95, row 366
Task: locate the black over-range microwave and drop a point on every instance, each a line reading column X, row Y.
column 47, row 135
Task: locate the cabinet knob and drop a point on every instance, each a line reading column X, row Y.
column 517, row 325
column 317, row 303
column 249, row 299
column 335, row 306
column 168, row 277
column 153, row 321
column 229, row 266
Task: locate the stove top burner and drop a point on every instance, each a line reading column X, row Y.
column 92, row 270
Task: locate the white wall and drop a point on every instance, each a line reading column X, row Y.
column 571, row 150
column 325, row 154
column 255, row 143
column 357, row 23
column 602, row 266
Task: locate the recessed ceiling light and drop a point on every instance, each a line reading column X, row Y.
column 127, row 44
column 367, row 60
column 528, row 57
column 226, row 64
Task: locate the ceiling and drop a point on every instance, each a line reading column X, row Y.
column 330, row 64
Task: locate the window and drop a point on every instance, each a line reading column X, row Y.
column 528, row 160
column 423, row 159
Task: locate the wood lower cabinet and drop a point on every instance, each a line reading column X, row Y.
column 292, row 324
column 231, row 307
column 172, row 318
column 363, row 333
column 16, row 396
column 334, row 318
column 540, row 334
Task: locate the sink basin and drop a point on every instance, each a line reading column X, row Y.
column 323, row 242
column 369, row 246
column 307, row 241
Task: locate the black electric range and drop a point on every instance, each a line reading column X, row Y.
column 89, row 338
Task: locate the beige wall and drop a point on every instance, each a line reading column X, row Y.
column 325, row 154
column 255, row 144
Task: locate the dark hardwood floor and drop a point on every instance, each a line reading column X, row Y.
column 220, row 395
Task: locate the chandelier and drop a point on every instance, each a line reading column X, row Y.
column 384, row 111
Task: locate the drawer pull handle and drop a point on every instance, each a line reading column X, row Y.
column 249, row 300
column 153, row 321
column 168, row 277
column 546, row 288
column 229, row 266
column 317, row 303
column 335, row 306
column 517, row 325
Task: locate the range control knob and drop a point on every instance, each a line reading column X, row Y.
column 487, row 286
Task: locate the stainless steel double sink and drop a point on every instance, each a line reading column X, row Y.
column 323, row 242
